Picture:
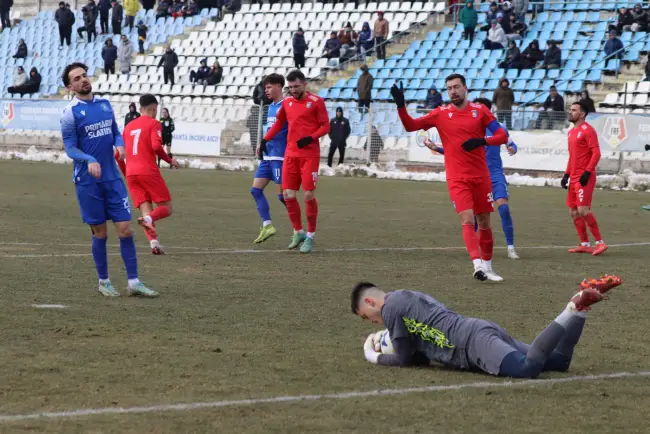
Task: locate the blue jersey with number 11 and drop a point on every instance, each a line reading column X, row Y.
column 275, row 147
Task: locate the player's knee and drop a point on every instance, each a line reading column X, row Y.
column 309, row 195
column 289, row 194
column 124, row 231
column 256, row 192
column 501, row 202
column 99, row 231
column 583, row 211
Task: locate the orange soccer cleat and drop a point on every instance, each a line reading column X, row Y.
column 581, row 249
column 603, row 284
column 600, row 248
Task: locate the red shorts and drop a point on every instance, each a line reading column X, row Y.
column 579, row 195
column 147, row 188
column 473, row 193
column 299, row 170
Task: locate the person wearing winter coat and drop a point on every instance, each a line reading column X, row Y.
column 469, row 20
column 517, row 29
column 168, row 128
column 364, row 89
column 531, row 55
column 347, row 36
column 433, row 100
column 553, row 56
column 21, row 52
column 554, row 103
column 216, row 73
column 496, row 37
column 613, row 47
column 381, row 31
column 587, row 101
column 131, row 115
column 90, row 26
column 366, row 41
column 124, row 53
column 490, row 15
column 147, row 5
column 168, row 62
column 65, row 19
column 299, row 48
column 519, row 8
column 131, row 7
column 640, row 18
column 163, row 9
column 31, row 85
column 104, row 7
column 624, row 21
column 513, row 57
column 142, row 36
column 109, row 54
column 339, row 132
column 117, row 17
column 201, row 73
column 332, row 47
column 5, row 13
column 503, row 98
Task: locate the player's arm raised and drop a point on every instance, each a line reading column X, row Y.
column 423, row 123
column 592, row 142
column 280, row 119
column 71, row 144
column 157, row 145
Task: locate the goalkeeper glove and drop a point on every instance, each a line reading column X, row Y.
column 305, row 141
column 584, row 179
column 472, row 144
column 369, row 350
column 565, row 181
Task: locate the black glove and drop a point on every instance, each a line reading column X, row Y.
column 647, row 147
column 398, row 94
column 565, row 181
column 305, row 141
column 472, row 144
column 584, row 179
column 262, row 149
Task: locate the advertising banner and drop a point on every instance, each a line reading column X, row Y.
column 201, row 139
column 32, row 115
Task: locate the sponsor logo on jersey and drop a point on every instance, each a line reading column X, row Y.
column 99, row 129
column 83, row 112
column 104, row 106
column 450, row 115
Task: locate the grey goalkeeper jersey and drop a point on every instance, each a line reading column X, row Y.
column 428, row 327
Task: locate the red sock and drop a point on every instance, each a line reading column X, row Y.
column 486, row 242
column 160, row 212
column 293, row 209
column 153, row 236
column 471, row 242
column 311, row 210
column 581, row 228
column 590, row 219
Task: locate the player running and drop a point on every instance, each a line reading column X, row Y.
column 89, row 134
column 580, row 179
column 308, row 122
column 461, row 126
column 143, row 138
column 422, row 330
column 272, row 154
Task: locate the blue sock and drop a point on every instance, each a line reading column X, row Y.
column 262, row 203
column 281, row 198
column 127, row 249
column 100, row 257
column 506, row 223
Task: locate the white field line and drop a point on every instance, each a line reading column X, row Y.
column 166, row 408
column 197, row 251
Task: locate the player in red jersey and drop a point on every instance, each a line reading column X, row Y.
column 580, row 179
column 143, row 142
column 461, row 126
column 308, row 122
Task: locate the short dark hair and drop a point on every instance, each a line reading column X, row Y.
column 486, row 102
column 454, row 77
column 65, row 76
column 273, row 79
column 583, row 107
column 296, row 75
column 552, row 88
column 147, row 99
column 359, row 288
column 61, row 4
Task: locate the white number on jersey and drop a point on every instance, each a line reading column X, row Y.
column 136, row 138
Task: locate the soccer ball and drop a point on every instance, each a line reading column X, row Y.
column 382, row 342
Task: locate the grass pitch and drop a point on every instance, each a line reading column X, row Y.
column 234, row 324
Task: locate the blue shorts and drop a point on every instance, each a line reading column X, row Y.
column 499, row 187
column 270, row 169
column 103, row 201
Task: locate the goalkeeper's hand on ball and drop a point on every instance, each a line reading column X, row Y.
column 369, row 349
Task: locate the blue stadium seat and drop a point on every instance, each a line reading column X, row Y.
column 526, row 74
column 478, row 83
column 410, row 94
column 348, row 94
column 416, row 83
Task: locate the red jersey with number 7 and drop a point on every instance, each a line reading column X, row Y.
column 584, row 151
column 143, row 142
column 307, row 117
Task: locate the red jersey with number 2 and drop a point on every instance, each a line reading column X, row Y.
column 143, row 142
column 455, row 127
column 584, row 151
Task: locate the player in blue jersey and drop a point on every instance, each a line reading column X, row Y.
column 271, row 155
column 89, row 135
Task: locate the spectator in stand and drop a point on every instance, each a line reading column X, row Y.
column 640, row 18
column 20, row 78
column 366, row 41
column 347, row 36
column 104, row 7
column 553, row 109
column 200, row 74
column 131, row 115
column 142, row 36
column 65, row 19
column 381, row 30
column 519, row 8
column 503, row 98
column 5, row 13
column 299, row 48
column 109, row 54
column 364, row 89
column 191, row 9
column 124, row 53
column 30, row 85
column 21, row 52
column 147, row 5
column 553, row 56
column 496, row 38
column 505, row 25
column 163, row 9
column 232, row 6
column 491, row 15
column 469, row 20
column 90, row 24
column 94, row 12
column 117, row 17
column 614, row 46
column 216, row 73
column 168, row 62
column 332, row 47
column 339, row 132
column 177, row 8
column 587, row 101
column 517, row 29
column 624, row 21
column 168, row 128
column 513, row 57
column 531, row 55
column 434, row 100
column 131, row 7
column 506, row 9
